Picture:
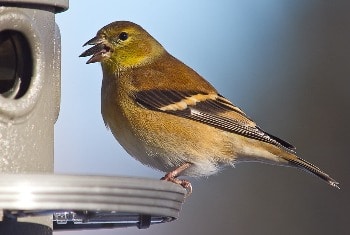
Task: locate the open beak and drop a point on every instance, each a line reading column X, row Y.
column 99, row 51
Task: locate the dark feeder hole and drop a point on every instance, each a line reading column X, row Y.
column 16, row 64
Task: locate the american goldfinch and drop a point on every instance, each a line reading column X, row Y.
column 170, row 118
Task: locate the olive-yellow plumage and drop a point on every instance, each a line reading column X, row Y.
column 168, row 117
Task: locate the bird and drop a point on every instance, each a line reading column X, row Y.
column 170, row 118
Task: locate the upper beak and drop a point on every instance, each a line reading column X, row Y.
column 98, row 51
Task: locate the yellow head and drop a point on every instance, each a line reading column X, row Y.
column 122, row 45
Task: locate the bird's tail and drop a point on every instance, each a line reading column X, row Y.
column 310, row 168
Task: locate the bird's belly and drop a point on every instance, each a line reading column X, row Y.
column 166, row 146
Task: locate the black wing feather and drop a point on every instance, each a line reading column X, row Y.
column 209, row 112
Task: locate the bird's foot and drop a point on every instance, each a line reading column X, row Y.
column 184, row 183
column 172, row 177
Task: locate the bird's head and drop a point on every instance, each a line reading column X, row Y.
column 122, row 45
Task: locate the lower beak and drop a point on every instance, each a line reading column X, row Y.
column 98, row 51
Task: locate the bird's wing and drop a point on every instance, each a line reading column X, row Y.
column 211, row 109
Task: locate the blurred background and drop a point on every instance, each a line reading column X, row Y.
column 285, row 63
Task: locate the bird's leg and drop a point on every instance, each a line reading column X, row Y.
column 175, row 173
column 172, row 177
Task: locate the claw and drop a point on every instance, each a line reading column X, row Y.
column 172, row 177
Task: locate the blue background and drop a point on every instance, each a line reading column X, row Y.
column 285, row 63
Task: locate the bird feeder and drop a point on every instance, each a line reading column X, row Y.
column 34, row 200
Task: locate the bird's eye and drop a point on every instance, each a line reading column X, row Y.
column 123, row 36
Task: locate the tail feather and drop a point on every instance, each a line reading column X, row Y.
column 308, row 167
